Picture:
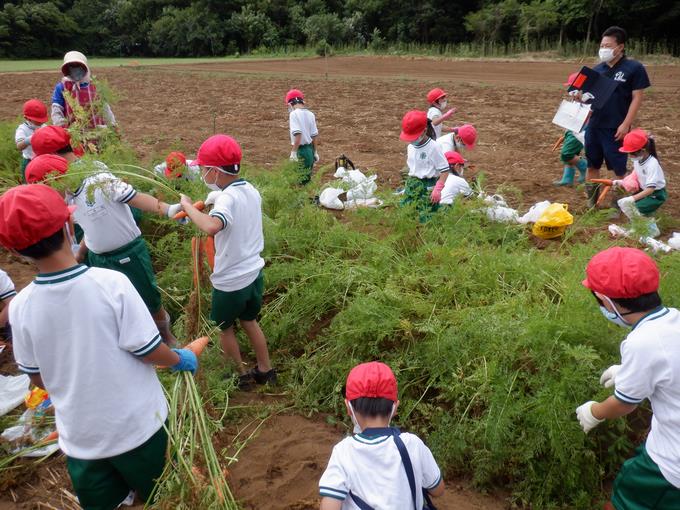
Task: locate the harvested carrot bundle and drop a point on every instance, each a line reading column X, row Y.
column 200, row 205
column 198, row 345
column 603, row 194
column 606, row 182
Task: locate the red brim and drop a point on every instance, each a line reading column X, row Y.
column 586, row 284
column 628, row 150
column 39, row 120
column 409, row 138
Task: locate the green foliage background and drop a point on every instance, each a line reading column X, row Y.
column 494, row 341
column 39, row 29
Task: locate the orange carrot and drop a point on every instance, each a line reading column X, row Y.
column 200, row 205
column 603, row 194
column 52, row 436
column 558, row 143
column 198, row 345
column 209, row 248
column 606, row 182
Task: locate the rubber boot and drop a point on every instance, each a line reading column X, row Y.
column 653, row 229
column 592, row 193
column 567, row 177
column 582, row 166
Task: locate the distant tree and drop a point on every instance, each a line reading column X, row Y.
column 537, row 18
column 252, row 28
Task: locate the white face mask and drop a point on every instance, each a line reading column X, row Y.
column 443, row 103
column 615, row 316
column 357, row 429
column 635, row 159
column 211, row 185
column 290, row 108
column 606, row 54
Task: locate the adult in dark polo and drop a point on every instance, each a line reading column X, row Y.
column 609, row 124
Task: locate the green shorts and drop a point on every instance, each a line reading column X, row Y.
column 570, row 148
column 244, row 304
column 305, row 155
column 651, row 203
column 24, row 164
column 134, row 261
column 417, row 192
column 641, row 486
column 102, row 484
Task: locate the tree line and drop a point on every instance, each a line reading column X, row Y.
column 39, row 29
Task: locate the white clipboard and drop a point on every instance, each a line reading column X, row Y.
column 571, row 115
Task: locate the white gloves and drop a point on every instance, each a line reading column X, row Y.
column 174, row 209
column 585, row 416
column 293, row 156
column 617, row 183
column 608, row 377
column 627, row 206
column 316, row 157
column 212, row 196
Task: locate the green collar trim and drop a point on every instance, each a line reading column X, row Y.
column 60, row 276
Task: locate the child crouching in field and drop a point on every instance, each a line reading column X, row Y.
column 455, row 184
column 570, row 154
column 111, row 239
column 427, row 166
column 641, row 149
column 177, row 166
column 35, row 116
column 84, row 335
column 378, row 466
column 237, row 279
column 461, row 139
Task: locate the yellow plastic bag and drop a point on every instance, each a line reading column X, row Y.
column 553, row 222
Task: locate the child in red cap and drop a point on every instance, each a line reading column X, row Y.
column 427, row 166
column 625, row 283
column 378, row 466
column 35, row 116
column 460, row 139
column 303, row 134
column 455, row 184
column 112, row 238
column 651, row 195
column 570, row 154
column 84, row 335
column 177, row 166
column 238, row 283
column 438, row 102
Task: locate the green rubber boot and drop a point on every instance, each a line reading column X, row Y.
column 582, row 166
column 592, row 193
column 567, row 177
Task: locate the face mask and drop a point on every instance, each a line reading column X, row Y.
column 357, row 429
column 420, row 140
column 211, row 185
column 443, row 104
column 615, row 316
column 290, row 108
column 635, row 159
column 606, row 54
column 76, row 73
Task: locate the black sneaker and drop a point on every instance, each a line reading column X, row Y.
column 244, row 382
column 268, row 377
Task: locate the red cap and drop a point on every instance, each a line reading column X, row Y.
column 30, row 213
column 219, row 150
column 372, row 380
column 570, row 80
column 43, row 165
column 294, row 94
column 435, row 95
column 634, row 141
column 454, row 158
column 622, row 273
column 175, row 164
column 50, row 139
column 412, row 125
column 35, row 110
column 468, row 134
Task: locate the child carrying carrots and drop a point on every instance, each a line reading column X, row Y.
column 641, row 149
column 35, row 116
column 437, row 99
column 111, row 239
column 570, row 154
column 86, row 337
column 303, row 134
column 427, row 166
column 378, row 466
column 236, row 223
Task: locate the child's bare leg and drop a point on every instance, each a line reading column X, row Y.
column 231, row 349
column 259, row 343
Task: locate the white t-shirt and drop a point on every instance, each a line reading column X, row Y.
column 103, row 213
column 432, row 113
column 650, row 369
column 649, row 173
column 426, row 161
column 24, row 130
column 454, row 186
column 6, row 286
column 302, row 122
column 239, row 244
column 448, row 144
column 194, row 170
column 371, row 468
column 84, row 331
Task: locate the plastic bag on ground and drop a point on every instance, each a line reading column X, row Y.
column 330, row 198
column 13, row 389
column 535, row 212
column 502, row 214
column 674, row 241
column 650, row 242
column 553, row 222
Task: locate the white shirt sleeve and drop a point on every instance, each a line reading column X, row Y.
column 137, row 331
column 294, row 121
column 438, row 159
column 433, row 113
column 315, row 130
column 58, row 115
column 640, row 370
column 21, row 133
column 7, row 289
column 333, row 482
column 22, row 345
column 446, row 142
column 431, row 473
column 223, row 210
column 118, row 190
column 655, row 177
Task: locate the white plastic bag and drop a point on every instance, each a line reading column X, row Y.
column 535, row 212
column 330, row 198
column 13, row 389
column 502, row 214
column 674, row 241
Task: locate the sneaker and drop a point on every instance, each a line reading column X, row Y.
column 268, row 377
column 244, row 382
